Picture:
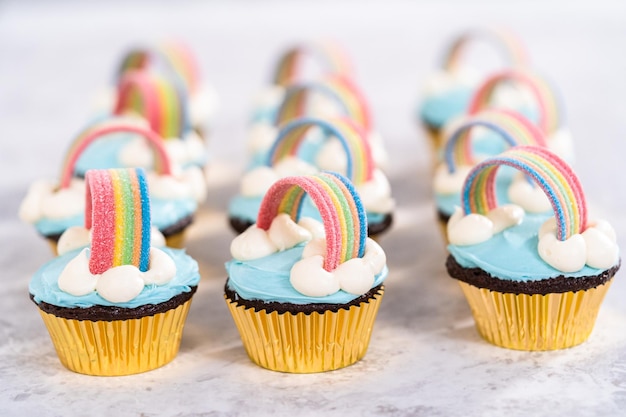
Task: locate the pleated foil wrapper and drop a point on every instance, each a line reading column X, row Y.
column 535, row 322
column 306, row 343
column 176, row 240
column 119, row 347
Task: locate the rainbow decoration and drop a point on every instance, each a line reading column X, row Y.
column 100, row 130
column 118, row 214
column 506, row 41
column 546, row 170
column 544, row 94
column 360, row 164
column 156, row 99
column 512, row 127
column 176, row 59
column 340, row 207
column 331, row 56
column 336, row 87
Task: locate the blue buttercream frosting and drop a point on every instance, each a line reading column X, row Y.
column 512, row 254
column 44, row 284
column 437, row 110
column 267, row 279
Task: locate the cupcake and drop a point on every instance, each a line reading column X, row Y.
column 532, row 95
column 448, row 92
column 354, row 159
column 532, row 283
column 462, row 152
column 161, row 105
column 303, row 294
column 117, row 306
column 331, row 96
column 176, row 62
column 297, row 64
column 53, row 206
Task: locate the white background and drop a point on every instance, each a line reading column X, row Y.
column 425, row 358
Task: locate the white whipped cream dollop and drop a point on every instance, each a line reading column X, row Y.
column 442, row 81
column 528, row 195
column 595, row 247
column 45, row 199
column 475, row 228
column 189, row 183
column 119, row 284
column 261, row 136
column 562, row 144
column 446, row 182
column 203, row 105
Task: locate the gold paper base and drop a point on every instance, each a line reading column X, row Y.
column 300, row 343
column 443, row 228
column 54, row 246
column 120, row 347
column 534, row 322
column 176, row 241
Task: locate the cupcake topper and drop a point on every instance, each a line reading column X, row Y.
column 330, row 55
column 360, row 165
column 157, row 100
column 544, row 94
column 507, row 42
column 176, row 58
column 336, row 87
column 543, row 167
column 118, row 214
column 101, row 130
column 339, row 205
column 512, row 127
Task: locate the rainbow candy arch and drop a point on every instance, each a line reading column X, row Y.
column 176, row 57
column 118, row 215
column 553, row 175
column 330, row 55
column 336, row 87
column 544, row 94
column 506, row 41
column 100, row 130
column 157, row 100
column 340, row 207
column 510, row 126
column 360, row 165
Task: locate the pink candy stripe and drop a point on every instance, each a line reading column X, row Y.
column 274, row 196
column 100, row 218
column 163, row 160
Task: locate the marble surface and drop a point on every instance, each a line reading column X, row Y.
column 425, row 357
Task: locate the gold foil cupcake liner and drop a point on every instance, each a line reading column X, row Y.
column 306, row 343
column 535, row 322
column 176, row 240
column 119, row 347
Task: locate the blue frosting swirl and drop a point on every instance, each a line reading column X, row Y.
column 44, row 284
column 512, row 254
column 267, row 279
column 437, row 110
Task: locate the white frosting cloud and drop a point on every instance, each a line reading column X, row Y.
column 450, row 183
column 562, row 144
column 261, row 136
column 45, row 200
column 442, row 81
column 355, row 276
column 189, row 183
column 528, row 195
column 119, row 284
column 203, row 105
column 475, row 228
column 595, row 247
